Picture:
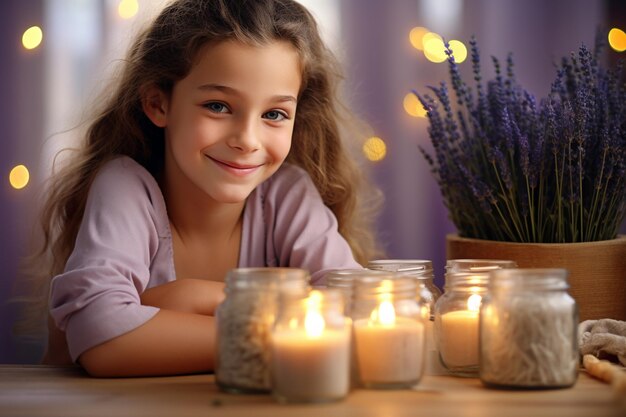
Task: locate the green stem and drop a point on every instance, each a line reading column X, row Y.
column 504, row 223
column 580, row 192
column 506, row 203
column 559, row 200
column 531, row 210
column 540, row 210
column 572, row 215
column 594, row 205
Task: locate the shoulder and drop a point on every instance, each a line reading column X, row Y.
column 124, row 178
column 123, row 188
column 124, row 172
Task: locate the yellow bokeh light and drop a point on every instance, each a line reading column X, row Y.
column 413, row 106
column 32, row 37
column 458, row 50
column 617, row 39
column 416, row 37
column 374, row 149
column 128, row 8
column 431, row 35
column 435, row 50
column 19, row 176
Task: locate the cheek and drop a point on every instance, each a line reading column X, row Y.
column 195, row 134
column 283, row 144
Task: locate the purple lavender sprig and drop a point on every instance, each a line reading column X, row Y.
column 514, row 168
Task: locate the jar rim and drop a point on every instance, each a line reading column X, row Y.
column 401, row 265
column 478, row 265
column 466, row 280
column 346, row 277
column 266, row 277
column 539, row 278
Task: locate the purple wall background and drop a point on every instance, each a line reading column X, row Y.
column 21, row 121
column 381, row 69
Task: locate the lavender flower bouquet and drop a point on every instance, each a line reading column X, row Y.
column 514, row 169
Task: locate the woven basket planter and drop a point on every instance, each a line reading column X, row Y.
column 597, row 270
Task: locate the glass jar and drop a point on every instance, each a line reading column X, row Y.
column 478, row 265
column 429, row 293
column 244, row 323
column 528, row 330
column 343, row 279
column 420, row 269
column 388, row 331
column 456, row 322
column 310, row 351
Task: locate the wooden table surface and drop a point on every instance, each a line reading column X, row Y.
column 31, row 390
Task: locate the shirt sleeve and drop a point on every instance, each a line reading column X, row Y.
column 306, row 232
column 96, row 298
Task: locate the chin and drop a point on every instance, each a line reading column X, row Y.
column 232, row 198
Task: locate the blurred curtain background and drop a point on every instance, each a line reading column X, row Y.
column 46, row 92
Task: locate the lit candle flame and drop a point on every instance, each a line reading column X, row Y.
column 385, row 314
column 473, row 302
column 314, row 322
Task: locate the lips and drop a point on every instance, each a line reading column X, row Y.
column 234, row 167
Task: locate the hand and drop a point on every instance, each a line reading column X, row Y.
column 186, row 295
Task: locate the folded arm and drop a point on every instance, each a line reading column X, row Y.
column 179, row 339
column 171, row 342
column 113, row 323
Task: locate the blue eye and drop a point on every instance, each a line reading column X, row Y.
column 275, row 115
column 216, row 107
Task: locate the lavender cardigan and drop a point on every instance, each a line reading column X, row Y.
column 124, row 246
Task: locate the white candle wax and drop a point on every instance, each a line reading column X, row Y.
column 307, row 368
column 458, row 338
column 389, row 353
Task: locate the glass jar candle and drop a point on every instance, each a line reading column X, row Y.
column 310, row 351
column 244, row 323
column 456, row 322
column 478, row 265
column 429, row 293
column 528, row 330
column 389, row 332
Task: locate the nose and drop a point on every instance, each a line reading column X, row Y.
column 245, row 134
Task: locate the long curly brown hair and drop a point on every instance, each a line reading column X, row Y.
column 162, row 55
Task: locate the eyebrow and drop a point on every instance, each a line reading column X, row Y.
column 230, row 90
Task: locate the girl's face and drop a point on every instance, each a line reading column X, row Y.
column 228, row 124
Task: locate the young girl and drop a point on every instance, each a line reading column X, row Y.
column 220, row 148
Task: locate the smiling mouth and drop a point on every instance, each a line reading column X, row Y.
column 234, row 168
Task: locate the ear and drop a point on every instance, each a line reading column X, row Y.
column 154, row 103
